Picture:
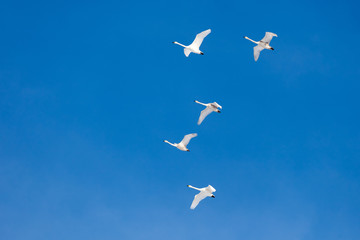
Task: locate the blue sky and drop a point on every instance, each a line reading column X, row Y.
column 89, row 89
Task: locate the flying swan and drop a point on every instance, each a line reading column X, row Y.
column 264, row 43
column 182, row 145
column 195, row 45
column 210, row 107
column 204, row 192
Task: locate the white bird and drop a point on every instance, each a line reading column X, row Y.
column 210, row 107
column 204, row 192
column 264, row 43
column 182, row 145
column 195, row 45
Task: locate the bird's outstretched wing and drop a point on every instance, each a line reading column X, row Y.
column 268, row 37
column 187, row 52
column 210, row 189
column 257, row 50
column 198, row 197
column 199, row 38
column 204, row 114
column 217, row 105
column 187, row 138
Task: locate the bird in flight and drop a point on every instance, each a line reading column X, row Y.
column 210, row 107
column 204, row 192
column 195, row 45
column 182, row 145
column 262, row 44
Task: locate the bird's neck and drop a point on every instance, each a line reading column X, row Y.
column 251, row 40
column 172, row 144
column 194, row 188
column 180, row 44
column 201, row 103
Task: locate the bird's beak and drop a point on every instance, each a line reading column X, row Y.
column 213, row 196
column 188, row 150
column 202, row 53
column 219, row 111
column 272, row 48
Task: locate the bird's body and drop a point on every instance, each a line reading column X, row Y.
column 183, row 144
column 210, row 107
column 263, row 44
column 194, row 47
column 204, row 192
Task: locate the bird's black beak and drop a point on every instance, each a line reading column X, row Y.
column 213, row 196
column 272, row 48
column 188, row 150
column 202, row 53
column 219, row 111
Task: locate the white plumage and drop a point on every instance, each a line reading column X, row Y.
column 195, row 45
column 262, row 44
column 210, row 107
column 204, row 192
column 182, row 145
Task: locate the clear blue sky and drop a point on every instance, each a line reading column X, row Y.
column 89, row 89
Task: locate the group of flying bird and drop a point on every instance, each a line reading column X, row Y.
column 194, row 47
